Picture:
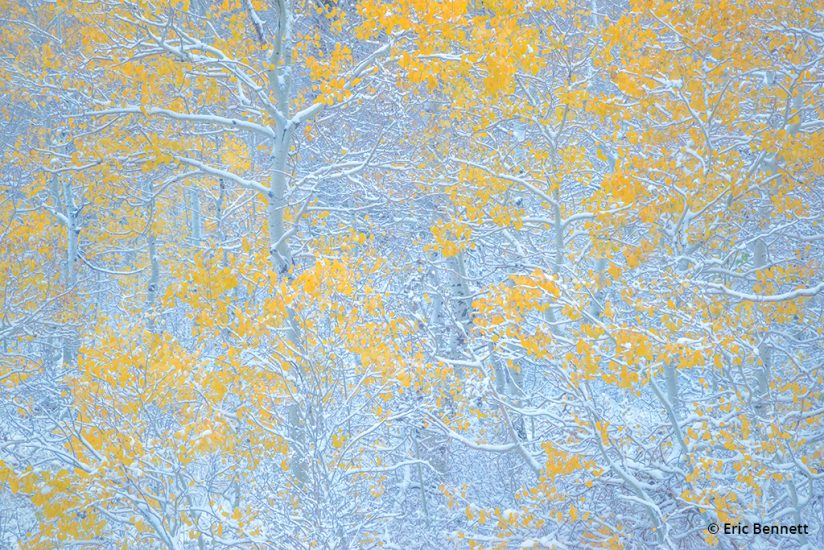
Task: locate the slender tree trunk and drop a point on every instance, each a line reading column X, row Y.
column 764, row 349
column 197, row 224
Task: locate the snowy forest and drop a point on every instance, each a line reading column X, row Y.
column 335, row 274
